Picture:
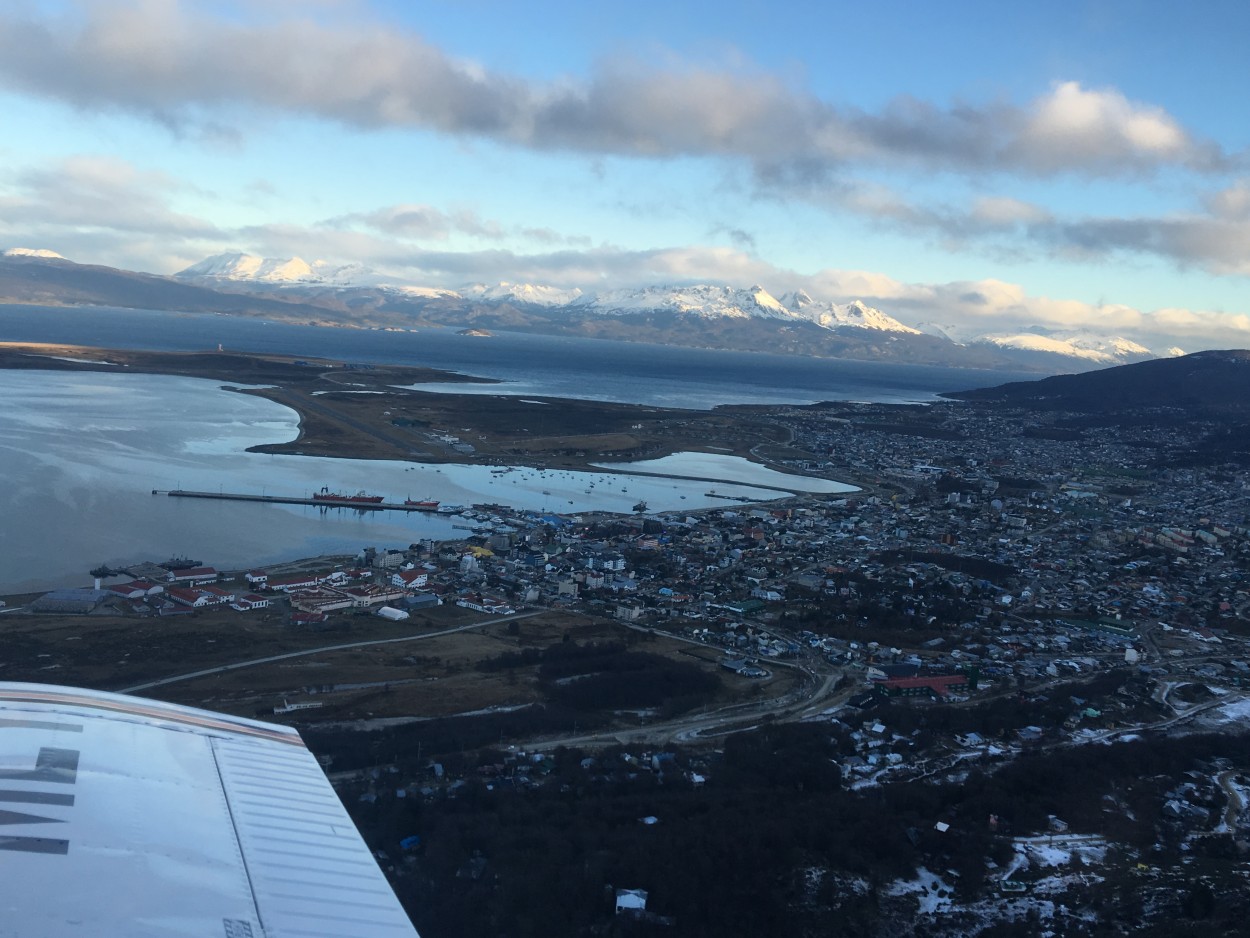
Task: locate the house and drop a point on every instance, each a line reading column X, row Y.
column 78, row 601
column 484, row 603
column 135, row 589
column 935, row 685
column 423, row 601
column 188, row 596
column 631, row 900
column 194, row 575
column 303, row 581
column 257, row 578
column 410, row 579
column 249, row 601
column 217, row 596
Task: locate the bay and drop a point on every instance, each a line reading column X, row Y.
column 81, row 453
column 554, row 366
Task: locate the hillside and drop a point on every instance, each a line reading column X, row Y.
column 54, row 281
column 1217, row 381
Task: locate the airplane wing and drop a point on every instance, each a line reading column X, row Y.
column 121, row 816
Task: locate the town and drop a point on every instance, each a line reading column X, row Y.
column 1004, row 587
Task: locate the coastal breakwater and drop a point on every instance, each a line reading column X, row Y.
column 296, row 500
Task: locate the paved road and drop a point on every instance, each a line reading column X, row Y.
column 809, row 700
column 253, row 662
column 1236, row 802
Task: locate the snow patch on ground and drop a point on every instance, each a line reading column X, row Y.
column 1234, row 711
column 931, row 891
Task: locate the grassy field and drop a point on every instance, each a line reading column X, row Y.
column 427, row 675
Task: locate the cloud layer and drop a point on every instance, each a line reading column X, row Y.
column 178, row 64
column 101, row 210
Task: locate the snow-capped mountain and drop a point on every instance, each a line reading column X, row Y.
column 1099, row 350
column 526, row 293
column 702, row 301
column 750, row 317
column 855, row 314
column 33, row 252
column 424, row 293
column 294, row 271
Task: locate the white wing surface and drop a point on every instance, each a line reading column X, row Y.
column 128, row 817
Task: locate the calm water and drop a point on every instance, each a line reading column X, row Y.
column 81, row 454
column 529, row 364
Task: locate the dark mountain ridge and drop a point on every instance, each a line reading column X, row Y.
column 1215, row 381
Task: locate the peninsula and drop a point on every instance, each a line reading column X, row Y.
column 372, row 411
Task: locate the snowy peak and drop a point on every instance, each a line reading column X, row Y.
column 290, row 271
column 855, row 315
column 528, row 293
column 249, row 267
column 33, row 252
column 703, row 301
column 1100, row 350
column 798, row 300
column 424, row 293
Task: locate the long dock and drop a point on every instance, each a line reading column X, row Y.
column 296, row 500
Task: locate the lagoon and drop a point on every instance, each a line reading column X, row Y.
column 726, row 468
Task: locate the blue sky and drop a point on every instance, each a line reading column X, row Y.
column 990, row 166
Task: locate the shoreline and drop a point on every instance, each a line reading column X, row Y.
column 355, row 411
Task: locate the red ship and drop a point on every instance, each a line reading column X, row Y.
column 334, row 498
column 424, row 504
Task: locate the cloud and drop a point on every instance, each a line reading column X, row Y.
column 192, row 68
column 1217, row 240
column 970, row 307
column 1103, row 128
column 1232, row 203
column 421, row 222
column 104, row 209
column 99, row 192
column 1217, row 245
column 101, row 210
column 418, row 222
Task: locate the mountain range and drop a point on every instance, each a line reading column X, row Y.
column 701, row 315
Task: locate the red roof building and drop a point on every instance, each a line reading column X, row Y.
column 936, row 685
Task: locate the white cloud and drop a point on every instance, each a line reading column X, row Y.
column 102, row 210
column 1102, row 128
column 1005, row 211
column 187, row 65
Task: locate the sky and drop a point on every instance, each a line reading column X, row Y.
column 985, row 166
